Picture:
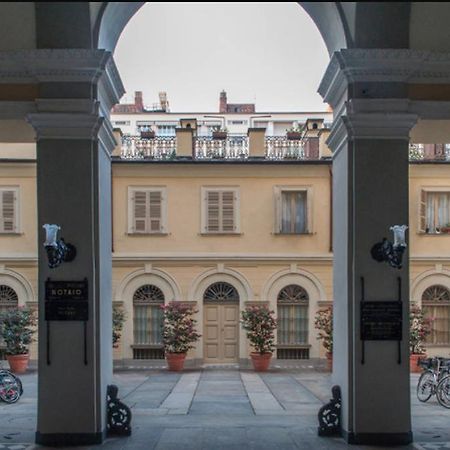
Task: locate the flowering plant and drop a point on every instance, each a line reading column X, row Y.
column 260, row 324
column 324, row 323
column 16, row 329
column 179, row 331
column 419, row 329
column 119, row 317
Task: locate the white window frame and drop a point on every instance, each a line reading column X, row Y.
column 237, row 203
column 427, row 190
column 16, row 190
column 278, row 190
column 163, row 228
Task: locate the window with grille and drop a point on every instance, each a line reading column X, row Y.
column 434, row 211
column 221, row 292
column 9, row 210
column 292, row 304
column 436, row 305
column 220, row 210
column 147, row 210
column 293, row 210
column 8, row 300
column 148, row 315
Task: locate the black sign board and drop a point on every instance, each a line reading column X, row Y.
column 66, row 310
column 381, row 321
column 66, row 290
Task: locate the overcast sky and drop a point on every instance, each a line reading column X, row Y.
column 268, row 53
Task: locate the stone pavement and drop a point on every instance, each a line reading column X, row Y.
column 215, row 409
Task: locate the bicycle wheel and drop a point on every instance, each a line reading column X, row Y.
column 443, row 392
column 425, row 386
column 10, row 389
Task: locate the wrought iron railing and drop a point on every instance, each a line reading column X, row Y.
column 233, row 147
column 279, row 148
column 429, row 152
column 161, row 147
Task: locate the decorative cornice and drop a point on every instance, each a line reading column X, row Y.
column 382, row 65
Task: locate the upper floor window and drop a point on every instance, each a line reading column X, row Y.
column 293, row 210
column 166, row 130
column 9, row 220
column 220, row 210
column 436, row 305
column 434, row 211
column 147, row 210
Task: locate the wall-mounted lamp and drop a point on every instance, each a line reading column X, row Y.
column 390, row 252
column 57, row 250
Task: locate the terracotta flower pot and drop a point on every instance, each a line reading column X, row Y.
column 329, row 356
column 261, row 362
column 175, row 361
column 219, row 135
column 414, row 359
column 147, row 134
column 293, row 135
column 18, row 363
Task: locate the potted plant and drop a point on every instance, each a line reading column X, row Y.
column 446, row 228
column 17, row 329
column 419, row 329
column 220, row 133
column 295, row 132
column 147, row 133
column 260, row 324
column 178, row 334
column 323, row 322
column 119, row 317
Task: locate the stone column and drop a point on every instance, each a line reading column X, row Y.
column 74, row 142
column 369, row 140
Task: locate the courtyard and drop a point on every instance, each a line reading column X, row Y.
column 222, row 408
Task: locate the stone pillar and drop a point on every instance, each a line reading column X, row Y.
column 369, row 140
column 256, row 142
column 74, row 142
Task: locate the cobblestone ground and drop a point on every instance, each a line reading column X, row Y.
column 214, row 409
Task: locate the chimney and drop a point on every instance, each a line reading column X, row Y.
column 163, row 101
column 223, row 102
column 138, row 101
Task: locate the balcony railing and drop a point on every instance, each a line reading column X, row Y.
column 280, row 148
column 429, row 152
column 235, row 147
column 161, row 147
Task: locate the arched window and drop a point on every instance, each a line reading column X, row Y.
column 221, row 292
column 148, row 315
column 436, row 305
column 293, row 303
column 8, row 300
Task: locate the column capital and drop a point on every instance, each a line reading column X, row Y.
column 349, row 66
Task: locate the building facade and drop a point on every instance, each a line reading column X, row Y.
column 189, row 226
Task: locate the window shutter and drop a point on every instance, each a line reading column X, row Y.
column 8, row 216
column 422, row 212
column 155, row 210
column 212, row 209
column 228, row 200
column 140, row 212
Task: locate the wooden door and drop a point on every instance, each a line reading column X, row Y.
column 221, row 333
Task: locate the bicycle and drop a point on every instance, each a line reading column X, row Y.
column 436, row 369
column 11, row 388
column 443, row 392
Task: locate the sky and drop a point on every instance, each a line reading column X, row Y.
column 268, row 53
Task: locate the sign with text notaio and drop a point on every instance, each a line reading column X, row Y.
column 381, row 321
column 66, row 290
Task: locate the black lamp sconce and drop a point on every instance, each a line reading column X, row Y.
column 57, row 250
column 392, row 253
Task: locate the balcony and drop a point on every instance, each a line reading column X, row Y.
column 160, row 148
column 429, row 152
column 234, row 147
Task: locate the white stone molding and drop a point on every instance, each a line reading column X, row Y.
column 303, row 278
column 384, row 66
column 205, row 279
column 427, row 279
column 19, row 283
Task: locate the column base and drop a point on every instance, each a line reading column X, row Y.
column 69, row 439
column 387, row 439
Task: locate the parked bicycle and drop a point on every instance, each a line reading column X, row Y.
column 443, row 391
column 436, row 370
column 11, row 387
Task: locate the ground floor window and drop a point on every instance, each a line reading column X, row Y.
column 293, row 317
column 147, row 322
column 8, row 300
column 436, row 305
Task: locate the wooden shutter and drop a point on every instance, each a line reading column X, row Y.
column 140, row 212
column 8, row 211
column 228, row 202
column 422, row 212
column 155, row 210
column 213, row 211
